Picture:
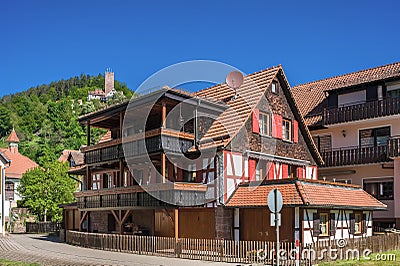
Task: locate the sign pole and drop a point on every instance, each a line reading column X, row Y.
column 277, row 225
column 275, row 203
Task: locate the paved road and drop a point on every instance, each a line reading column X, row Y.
column 47, row 250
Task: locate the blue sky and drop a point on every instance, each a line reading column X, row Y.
column 44, row 41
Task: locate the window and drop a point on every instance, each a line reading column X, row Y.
column 9, row 189
column 265, row 124
column 286, row 129
column 380, row 190
column 96, row 181
column 189, row 175
column 374, row 136
column 352, row 98
column 274, row 87
column 358, row 223
column 323, row 143
column 323, row 224
column 292, row 171
column 261, row 170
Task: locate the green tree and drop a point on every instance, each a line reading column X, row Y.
column 5, row 123
column 43, row 190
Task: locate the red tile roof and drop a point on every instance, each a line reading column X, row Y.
column 64, row 155
column 106, row 137
column 20, row 164
column 302, row 192
column 310, row 97
column 13, row 137
column 226, row 126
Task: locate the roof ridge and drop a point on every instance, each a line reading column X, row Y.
column 297, row 184
column 249, row 75
column 343, row 75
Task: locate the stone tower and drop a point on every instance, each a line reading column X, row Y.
column 108, row 81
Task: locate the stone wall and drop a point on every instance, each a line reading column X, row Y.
column 99, row 221
column 223, row 223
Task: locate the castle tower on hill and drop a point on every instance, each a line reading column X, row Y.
column 108, row 81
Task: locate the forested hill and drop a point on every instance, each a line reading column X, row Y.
column 45, row 117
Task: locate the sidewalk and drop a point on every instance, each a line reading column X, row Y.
column 47, row 250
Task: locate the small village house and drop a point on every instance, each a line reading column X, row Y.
column 20, row 164
column 4, row 163
column 252, row 139
column 354, row 120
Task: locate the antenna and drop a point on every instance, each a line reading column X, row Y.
column 234, row 81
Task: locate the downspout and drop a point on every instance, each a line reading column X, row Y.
column 76, row 179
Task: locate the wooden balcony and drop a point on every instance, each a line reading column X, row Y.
column 368, row 110
column 394, row 147
column 355, row 155
column 179, row 193
column 139, row 144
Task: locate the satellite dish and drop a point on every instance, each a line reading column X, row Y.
column 234, row 80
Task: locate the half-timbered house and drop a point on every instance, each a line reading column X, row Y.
column 179, row 175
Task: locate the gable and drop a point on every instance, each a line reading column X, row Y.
column 231, row 129
column 278, row 109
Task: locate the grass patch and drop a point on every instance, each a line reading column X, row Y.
column 385, row 259
column 4, row 262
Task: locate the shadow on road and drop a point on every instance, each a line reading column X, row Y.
column 50, row 238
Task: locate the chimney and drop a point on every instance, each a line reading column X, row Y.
column 108, row 81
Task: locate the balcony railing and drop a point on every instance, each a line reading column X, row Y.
column 368, row 110
column 151, row 142
column 355, row 155
column 179, row 193
column 394, row 147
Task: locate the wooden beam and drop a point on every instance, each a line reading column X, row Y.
column 163, row 166
column 128, row 212
column 176, row 220
column 88, row 178
column 88, row 133
column 115, row 216
column 121, row 173
column 164, row 115
column 121, row 122
column 82, row 219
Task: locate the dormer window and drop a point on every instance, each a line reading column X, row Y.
column 274, row 87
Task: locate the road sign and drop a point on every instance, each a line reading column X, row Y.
column 275, row 200
column 272, row 216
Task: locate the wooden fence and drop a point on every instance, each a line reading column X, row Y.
column 353, row 248
column 236, row 251
column 43, row 227
column 197, row 249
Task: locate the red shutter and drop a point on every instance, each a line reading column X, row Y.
column 255, row 121
column 285, row 171
column 300, row 172
column 252, row 169
column 277, row 126
column 295, row 131
column 271, row 170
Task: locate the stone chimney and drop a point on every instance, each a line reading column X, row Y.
column 108, row 81
column 13, row 141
